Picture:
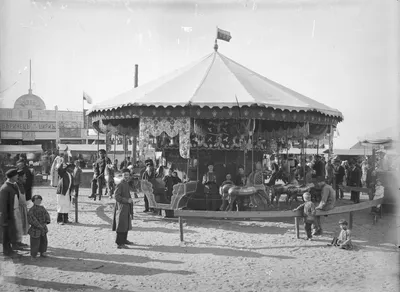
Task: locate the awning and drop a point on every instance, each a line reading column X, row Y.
column 21, row 148
column 351, row 152
column 89, row 147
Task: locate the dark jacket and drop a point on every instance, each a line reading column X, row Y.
column 123, row 210
column 77, row 175
column 100, row 166
column 319, row 168
column 240, row 180
column 29, row 182
column 8, row 191
column 339, row 174
column 64, row 185
column 354, row 179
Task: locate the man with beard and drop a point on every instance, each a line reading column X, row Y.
column 328, row 200
column 21, row 165
column 148, row 174
column 123, row 211
column 64, row 189
column 8, row 222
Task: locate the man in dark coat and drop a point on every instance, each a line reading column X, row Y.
column 339, row 172
column 64, row 189
column 8, row 230
column 99, row 172
column 318, row 167
column 123, row 211
column 147, row 175
column 354, row 180
column 21, row 165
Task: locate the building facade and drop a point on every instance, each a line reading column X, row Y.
column 30, row 122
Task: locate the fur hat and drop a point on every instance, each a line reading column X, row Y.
column 11, row 172
column 343, row 222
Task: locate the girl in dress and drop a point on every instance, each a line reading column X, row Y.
column 59, row 160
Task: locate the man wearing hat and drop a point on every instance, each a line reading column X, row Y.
column 328, row 200
column 148, row 174
column 99, row 172
column 64, row 189
column 210, row 188
column 8, row 224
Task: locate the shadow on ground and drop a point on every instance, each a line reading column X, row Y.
column 207, row 250
column 57, row 286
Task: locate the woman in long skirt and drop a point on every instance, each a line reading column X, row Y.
column 59, row 160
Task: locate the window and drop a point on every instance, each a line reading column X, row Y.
column 30, row 114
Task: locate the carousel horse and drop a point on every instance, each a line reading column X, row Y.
column 255, row 197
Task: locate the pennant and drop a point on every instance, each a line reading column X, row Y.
column 223, row 35
column 87, row 98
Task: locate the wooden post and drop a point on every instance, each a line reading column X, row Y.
column 76, row 209
column 296, row 227
column 351, row 220
column 181, row 228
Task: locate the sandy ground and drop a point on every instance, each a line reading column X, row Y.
column 216, row 255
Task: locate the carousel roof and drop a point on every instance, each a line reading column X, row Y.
column 215, row 81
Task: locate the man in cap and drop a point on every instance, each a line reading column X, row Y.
column 64, row 189
column 99, row 172
column 21, row 165
column 354, row 180
column 148, row 174
column 8, row 224
column 328, row 200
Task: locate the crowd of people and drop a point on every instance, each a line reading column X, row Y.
column 16, row 192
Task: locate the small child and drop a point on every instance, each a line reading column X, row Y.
column 343, row 241
column 379, row 193
column 308, row 209
column 38, row 218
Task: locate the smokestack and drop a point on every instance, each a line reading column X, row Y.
column 136, row 75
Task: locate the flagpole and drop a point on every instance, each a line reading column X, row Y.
column 83, row 112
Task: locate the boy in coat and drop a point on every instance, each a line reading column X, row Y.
column 123, row 211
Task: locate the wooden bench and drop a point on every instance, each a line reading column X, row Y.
column 350, row 209
column 153, row 189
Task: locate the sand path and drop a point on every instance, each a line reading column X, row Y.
column 216, row 256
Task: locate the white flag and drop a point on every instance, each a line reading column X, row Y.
column 87, row 98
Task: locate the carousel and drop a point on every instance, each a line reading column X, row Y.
column 216, row 110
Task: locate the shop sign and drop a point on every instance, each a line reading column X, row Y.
column 28, row 126
column 28, row 136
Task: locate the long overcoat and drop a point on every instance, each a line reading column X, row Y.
column 123, row 210
column 8, row 192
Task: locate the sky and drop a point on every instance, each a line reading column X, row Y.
column 343, row 53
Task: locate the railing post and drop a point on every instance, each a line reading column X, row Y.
column 181, row 227
column 351, row 220
column 296, row 227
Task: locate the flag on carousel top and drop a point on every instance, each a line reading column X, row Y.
column 87, row 98
column 223, row 35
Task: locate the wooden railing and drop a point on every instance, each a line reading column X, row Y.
column 273, row 214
